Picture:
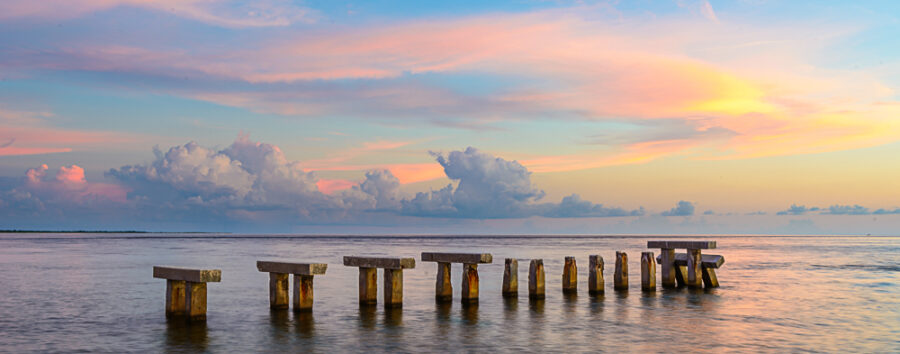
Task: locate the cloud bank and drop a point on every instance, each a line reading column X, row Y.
column 253, row 182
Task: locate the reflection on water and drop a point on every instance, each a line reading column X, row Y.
column 184, row 336
column 103, row 299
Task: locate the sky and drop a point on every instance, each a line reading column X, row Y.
column 496, row 117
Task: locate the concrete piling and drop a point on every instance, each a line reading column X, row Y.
column 511, row 278
column 536, row 279
column 620, row 278
column 303, row 293
column 648, row 271
column 667, row 267
column 570, row 276
column 443, row 290
column 368, row 286
column 595, row 275
column 278, row 290
column 393, row 288
column 694, row 277
column 469, row 291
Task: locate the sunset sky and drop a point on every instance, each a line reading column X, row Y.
column 749, row 116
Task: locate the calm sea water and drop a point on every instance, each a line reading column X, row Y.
column 94, row 292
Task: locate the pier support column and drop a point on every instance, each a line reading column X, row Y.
column 595, row 275
column 570, row 277
column 648, row 272
column 393, row 288
column 620, row 278
column 278, row 291
column 175, row 298
column 443, row 290
column 303, row 293
column 368, row 286
column 667, row 267
column 195, row 301
column 470, row 283
column 709, row 278
column 694, row 276
column 536, row 279
column 511, row 278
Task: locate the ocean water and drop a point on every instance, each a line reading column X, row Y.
column 95, row 293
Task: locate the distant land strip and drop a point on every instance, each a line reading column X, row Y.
column 103, row 232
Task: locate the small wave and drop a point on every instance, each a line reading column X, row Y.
column 873, row 267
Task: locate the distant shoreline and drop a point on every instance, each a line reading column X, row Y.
column 102, row 232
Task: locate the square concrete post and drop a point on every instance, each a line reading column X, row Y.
column 595, row 275
column 470, row 283
column 278, row 290
column 648, row 271
column 368, row 286
column 175, row 298
column 709, row 278
column 667, row 267
column 620, row 278
column 536, row 279
column 511, row 278
column 393, row 288
column 570, row 276
column 303, row 293
column 694, row 275
column 443, row 290
column 195, row 301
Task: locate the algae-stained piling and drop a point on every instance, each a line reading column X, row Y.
column 536, row 279
column 570, row 276
column 595, row 275
column 443, row 291
column 648, row 271
column 279, row 275
column 368, row 278
column 620, row 278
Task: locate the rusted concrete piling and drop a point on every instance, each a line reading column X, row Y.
column 694, row 277
column 620, row 277
column 511, row 278
column 469, row 288
column 595, row 275
column 570, row 276
column 648, row 271
column 368, row 278
column 536, row 279
column 280, row 272
column 186, row 290
column 667, row 267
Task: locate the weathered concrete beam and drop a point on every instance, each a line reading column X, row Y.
column 536, row 279
column 379, row 262
column 291, row 268
column 470, row 258
column 706, row 260
column 648, row 271
column 620, row 277
column 694, row 275
column 511, row 278
column 595, row 275
column 443, row 289
column 570, row 276
column 469, row 291
column 393, row 288
column 303, row 293
column 278, row 290
column 186, row 274
column 368, row 285
column 682, row 244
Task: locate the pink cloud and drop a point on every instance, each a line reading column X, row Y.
column 70, row 186
column 28, row 133
column 329, row 186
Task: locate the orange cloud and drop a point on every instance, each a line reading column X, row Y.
column 27, row 133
